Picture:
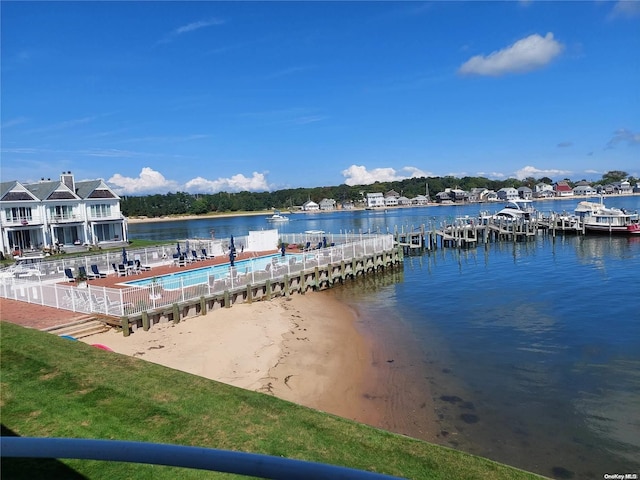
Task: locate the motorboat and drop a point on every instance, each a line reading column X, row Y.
column 513, row 210
column 277, row 217
column 596, row 217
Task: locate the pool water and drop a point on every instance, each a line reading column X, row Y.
column 197, row 276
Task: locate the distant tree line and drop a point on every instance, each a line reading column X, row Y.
column 182, row 203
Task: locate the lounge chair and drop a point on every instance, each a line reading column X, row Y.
column 142, row 268
column 97, row 273
column 196, row 257
column 122, row 270
column 82, row 273
column 205, row 254
column 69, row 274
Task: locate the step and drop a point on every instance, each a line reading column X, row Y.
column 80, row 330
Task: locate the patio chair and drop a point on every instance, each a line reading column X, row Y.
column 122, row 270
column 196, row 257
column 82, row 273
column 96, row 273
column 69, row 274
column 142, row 268
column 205, row 254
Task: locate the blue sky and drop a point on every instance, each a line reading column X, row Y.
column 229, row 96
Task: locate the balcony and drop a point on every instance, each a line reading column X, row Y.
column 65, row 218
column 24, row 221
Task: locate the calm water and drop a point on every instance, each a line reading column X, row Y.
column 532, row 350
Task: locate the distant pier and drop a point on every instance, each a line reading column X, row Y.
column 469, row 232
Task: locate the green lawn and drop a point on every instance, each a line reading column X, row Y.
column 54, row 387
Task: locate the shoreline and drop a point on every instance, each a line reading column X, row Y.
column 312, row 350
column 137, row 220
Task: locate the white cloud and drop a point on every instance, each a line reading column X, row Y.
column 191, row 27
column 148, row 181
column 623, row 135
column 530, row 171
column 625, row 8
column 491, row 175
column 237, row 183
column 527, row 54
column 359, row 175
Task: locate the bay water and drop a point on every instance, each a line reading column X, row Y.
column 531, row 350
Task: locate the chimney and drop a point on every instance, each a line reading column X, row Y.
column 67, row 179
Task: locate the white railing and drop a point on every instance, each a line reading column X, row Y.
column 34, row 285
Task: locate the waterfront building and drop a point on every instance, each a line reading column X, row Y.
column 563, row 189
column 327, row 204
column 375, row 200
column 508, row 193
column 56, row 214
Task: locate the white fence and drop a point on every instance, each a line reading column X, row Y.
column 167, row 290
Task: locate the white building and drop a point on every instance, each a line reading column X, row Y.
column 508, row 193
column 327, row 204
column 584, row 190
column 375, row 200
column 310, row 206
column 65, row 213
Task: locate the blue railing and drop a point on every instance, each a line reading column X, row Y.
column 250, row 464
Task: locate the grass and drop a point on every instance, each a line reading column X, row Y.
column 53, row 387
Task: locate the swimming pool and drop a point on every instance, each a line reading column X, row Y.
column 198, row 276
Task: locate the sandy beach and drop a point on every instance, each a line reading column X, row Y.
column 308, row 349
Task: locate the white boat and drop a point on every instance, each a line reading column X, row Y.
column 596, row 217
column 513, row 210
column 277, row 217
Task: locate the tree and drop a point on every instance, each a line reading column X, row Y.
column 614, row 176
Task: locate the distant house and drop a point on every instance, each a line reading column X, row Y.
column 525, row 193
column 584, row 190
column 636, row 189
column 392, row 193
column 478, row 194
column 403, row 201
column 543, row 190
column 508, row 193
column 375, row 200
column 443, row 197
column 457, row 195
column 310, row 206
column 563, row 189
column 327, row 204
column 491, row 196
column 347, row 205
column 390, row 201
column 420, row 200
column 623, row 187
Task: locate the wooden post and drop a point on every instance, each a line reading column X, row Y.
column 125, row 326
column 227, row 299
column 145, row 321
column 249, row 293
column 267, row 287
column 287, row 286
column 203, row 306
column 176, row 313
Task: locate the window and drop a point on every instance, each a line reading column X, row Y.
column 102, row 210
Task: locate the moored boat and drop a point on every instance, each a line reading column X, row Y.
column 277, row 217
column 596, row 217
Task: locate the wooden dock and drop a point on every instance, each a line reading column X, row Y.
column 468, row 232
